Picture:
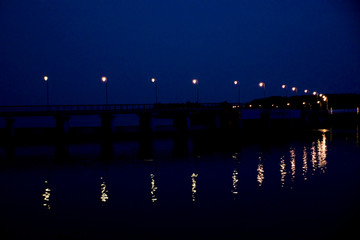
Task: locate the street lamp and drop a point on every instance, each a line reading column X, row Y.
column 286, row 89
column 262, row 84
column 196, row 82
column 153, row 80
column 238, row 85
column 306, row 91
column 104, row 80
column 47, row 89
column 294, row 89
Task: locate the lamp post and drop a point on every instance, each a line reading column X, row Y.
column 316, row 94
column 294, row 89
column 104, row 80
column 237, row 83
column 286, row 89
column 196, row 82
column 262, row 84
column 47, row 89
column 153, row 80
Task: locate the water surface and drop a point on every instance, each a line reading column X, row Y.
column 303, row 187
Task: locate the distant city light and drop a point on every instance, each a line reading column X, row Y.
column 283, row 86
column 103, row 79
column 153, row 80
column 236, row 82
column 46, row 78
column 195, row 81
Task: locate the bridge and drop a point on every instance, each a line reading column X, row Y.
column 185, row 117
column 52, row 110
column 179, row 113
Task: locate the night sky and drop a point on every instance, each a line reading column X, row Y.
column 309, row 44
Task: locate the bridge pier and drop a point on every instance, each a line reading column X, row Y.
column 10, row 128
column 240, row 120
column 62, row 124
column 107, row 124
column 182, row 123
column 146, row 123
column 265, row 123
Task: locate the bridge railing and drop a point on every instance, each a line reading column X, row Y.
column 102, row 108
column 50, row 109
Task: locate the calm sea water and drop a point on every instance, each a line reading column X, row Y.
column 302, row 187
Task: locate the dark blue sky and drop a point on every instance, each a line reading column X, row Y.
column 310, row 44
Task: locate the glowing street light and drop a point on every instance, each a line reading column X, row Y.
column 104, row 80
column 306, row 91
column 237, row 83
column 153, row 80
column 286, row 89
column 294, row 89
column 47, row 89
column 262, row 84
column 196, row 82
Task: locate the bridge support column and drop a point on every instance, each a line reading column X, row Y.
column 218, row 121
column 145, row 123
column 107, row 124
column 265, row 121
column 240, row 120
column 62, row 124
column 10, row 129
column 182, row 123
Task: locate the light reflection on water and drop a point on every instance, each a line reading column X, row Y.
column 282, row 170
column 318, row 156
column 193, row 186
column 305, row 165
column 260, row 170
column 293, row 163
column 322, row 153
column 153, row 188
column 316, row 152
column 235, row 181
column 135, row 184
column 46, row 195
column 104, row 191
